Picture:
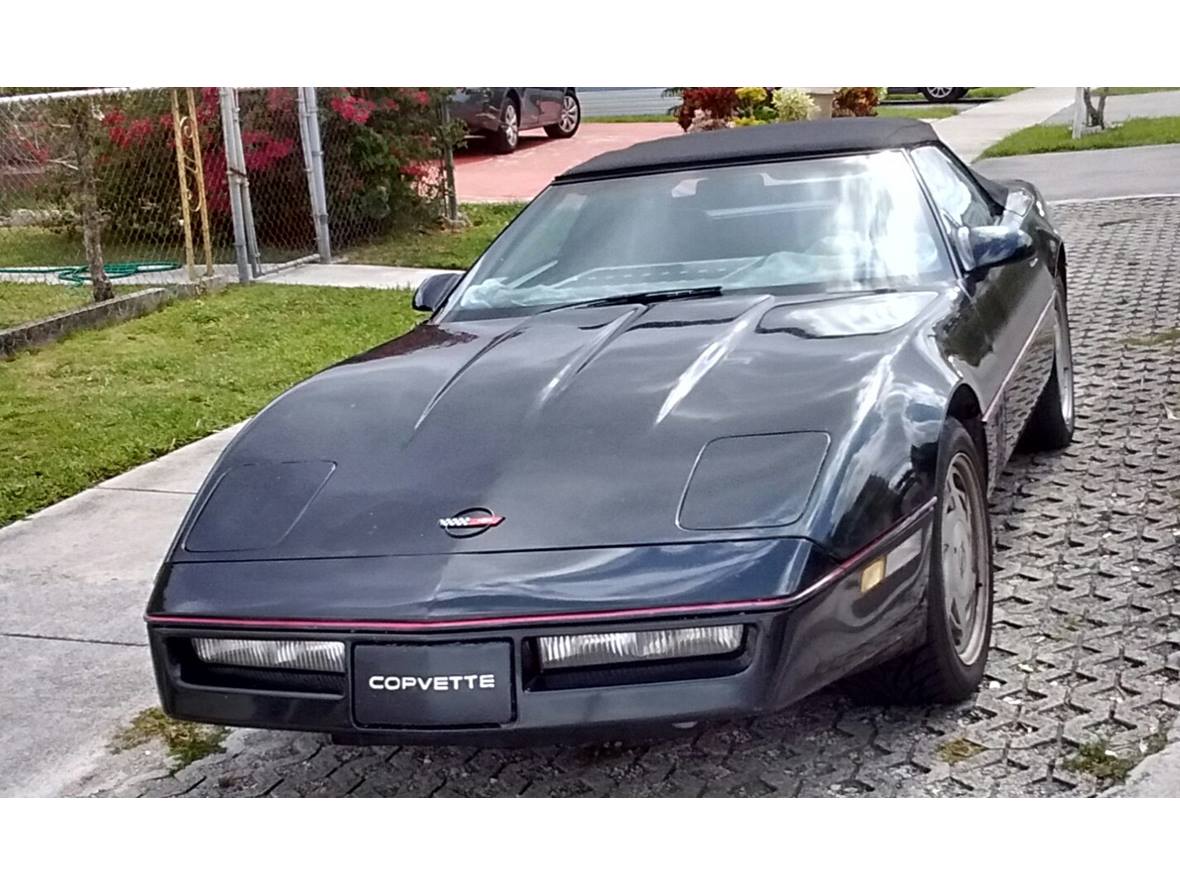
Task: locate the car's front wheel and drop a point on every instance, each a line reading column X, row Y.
column 943, row 93
column 506, row 138
column 949, row 664
column 1051, row 424
column 569, row 121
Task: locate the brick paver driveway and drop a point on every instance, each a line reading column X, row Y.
column 481, row 176
column 1087, row 633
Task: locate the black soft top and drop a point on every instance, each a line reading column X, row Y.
column 747, row 144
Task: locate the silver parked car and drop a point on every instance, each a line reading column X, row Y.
column 501, row 114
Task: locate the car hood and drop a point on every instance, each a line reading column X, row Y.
column 580, row 426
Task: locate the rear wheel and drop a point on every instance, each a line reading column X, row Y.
column 943, row 93
column 1051, row 424
column 506, row 138
column 949, row 664
column 571, row 117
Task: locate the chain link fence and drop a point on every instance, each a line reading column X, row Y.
column 88, row 198
column 101, row 189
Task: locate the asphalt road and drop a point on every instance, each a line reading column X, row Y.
column 1120, row 172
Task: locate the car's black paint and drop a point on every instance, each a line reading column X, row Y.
column 791, row 652
column 433, row 290
column 582, row 427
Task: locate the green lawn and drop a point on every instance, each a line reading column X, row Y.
column 21, row 302
column 928, row 112
column 101, row 402
column 434, row 247
column 41, row 247
column 978, row 92
column 1139, row 90
column 994, row 91
column 1044, row 139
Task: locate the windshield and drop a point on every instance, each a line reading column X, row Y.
column 832, row 224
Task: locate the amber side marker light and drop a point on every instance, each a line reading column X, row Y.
column 885, row 566
column 873, row 574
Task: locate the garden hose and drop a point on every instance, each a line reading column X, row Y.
column 79, row 274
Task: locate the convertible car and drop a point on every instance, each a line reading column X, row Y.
column 711, row 425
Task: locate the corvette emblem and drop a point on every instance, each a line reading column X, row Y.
column 469, row 523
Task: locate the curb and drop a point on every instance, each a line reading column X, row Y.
column 1157, row 776
column 103, row 313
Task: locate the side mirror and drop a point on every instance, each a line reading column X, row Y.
column 994, row 244
column 433, row 290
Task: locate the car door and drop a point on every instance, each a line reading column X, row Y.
column 548, row 101
column 530, row 107
column 1010, row 300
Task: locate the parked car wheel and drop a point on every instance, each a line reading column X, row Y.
column 949, row 664
column 943, row 93
column 569, row 121
column 1051, row 424
column 507, row 137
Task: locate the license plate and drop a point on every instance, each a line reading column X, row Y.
column 435, row 685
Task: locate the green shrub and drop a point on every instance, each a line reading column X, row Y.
column 792, row 105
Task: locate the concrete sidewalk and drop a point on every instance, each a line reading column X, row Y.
column 370, row 276
column 74, row 580
column 971, row 132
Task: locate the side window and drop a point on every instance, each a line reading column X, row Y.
column 955, row 193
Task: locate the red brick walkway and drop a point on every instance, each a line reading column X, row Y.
column 482, row 177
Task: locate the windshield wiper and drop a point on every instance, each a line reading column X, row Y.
column 650, row 297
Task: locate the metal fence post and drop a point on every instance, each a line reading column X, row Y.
column 228, row 127
column 313, row 158
column 452, row 200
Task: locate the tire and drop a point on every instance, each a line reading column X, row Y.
column 949, row 664
column 1051, row 424
column 942, row 93
column 570, row 120
column 507, row 137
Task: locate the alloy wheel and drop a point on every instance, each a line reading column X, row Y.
column 939, row 92
column 568, row 121
column 1064, row 363
column 964, row 559
column 511, row 125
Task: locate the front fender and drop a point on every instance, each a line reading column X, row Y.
column 882, row 467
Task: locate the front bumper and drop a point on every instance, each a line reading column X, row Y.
column 791, row 648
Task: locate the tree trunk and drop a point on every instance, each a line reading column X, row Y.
column 1096, row 116
column 87, row 196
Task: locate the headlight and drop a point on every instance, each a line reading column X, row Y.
column 597, row 649
column 278, row 654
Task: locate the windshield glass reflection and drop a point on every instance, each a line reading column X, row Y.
column 833, row 224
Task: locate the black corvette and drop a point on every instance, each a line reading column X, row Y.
column 711, row 425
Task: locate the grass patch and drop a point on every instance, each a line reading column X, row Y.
column 1043, row 139
column 21, row 302
column 979, row 92
column 41, row 247
column 631, row 118
column 1156, row 340
column 1096, row 760
column 928, row 112
column 437, row 247
column 994, row 91
column 100, row 402
column 957, row 750
column 1138, row 90
column 186, row 741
